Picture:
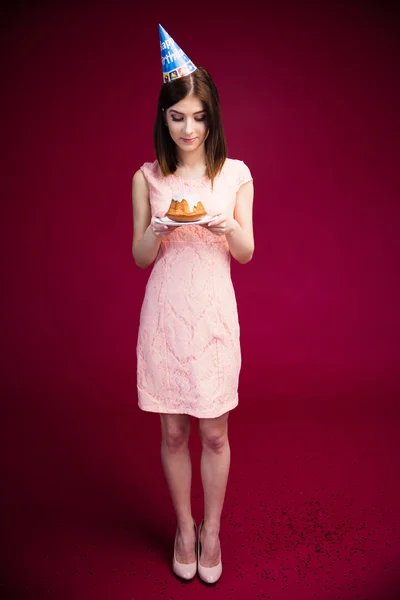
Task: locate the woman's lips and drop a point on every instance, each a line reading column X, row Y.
column 188, row 140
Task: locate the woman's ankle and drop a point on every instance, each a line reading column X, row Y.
column 211, row 527
column 185, row 524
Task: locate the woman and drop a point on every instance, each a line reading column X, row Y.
column 188, row 344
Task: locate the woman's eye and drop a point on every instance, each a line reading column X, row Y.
column 177, row 119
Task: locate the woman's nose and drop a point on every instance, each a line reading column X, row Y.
column 188, row 127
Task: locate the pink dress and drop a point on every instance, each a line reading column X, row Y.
column 188, row 350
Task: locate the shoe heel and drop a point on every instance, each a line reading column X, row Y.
column 207, row 574
column 185, row 571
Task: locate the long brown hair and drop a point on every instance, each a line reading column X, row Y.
column 199, row 84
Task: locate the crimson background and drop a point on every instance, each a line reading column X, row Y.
column 310, row 100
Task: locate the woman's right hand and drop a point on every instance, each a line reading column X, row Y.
column 160, row 229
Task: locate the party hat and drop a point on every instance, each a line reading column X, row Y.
column 174, row 61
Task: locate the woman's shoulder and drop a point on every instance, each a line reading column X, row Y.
column 238, row 168
column 233, row 161
column 151, row 168
column 235, row 164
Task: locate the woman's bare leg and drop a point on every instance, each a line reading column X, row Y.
column 175, row 458
column 215, row 464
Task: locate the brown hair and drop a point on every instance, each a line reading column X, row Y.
column 199, row 84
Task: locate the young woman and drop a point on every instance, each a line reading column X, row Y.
column 188, row 349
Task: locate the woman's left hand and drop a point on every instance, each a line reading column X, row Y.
column 222, row 225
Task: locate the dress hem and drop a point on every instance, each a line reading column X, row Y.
column 157, row 408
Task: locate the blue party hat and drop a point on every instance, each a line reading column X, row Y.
column 174, row 61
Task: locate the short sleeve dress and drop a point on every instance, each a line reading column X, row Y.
column 188, row 347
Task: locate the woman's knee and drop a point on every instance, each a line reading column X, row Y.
column 214, row 433
column 175, row 431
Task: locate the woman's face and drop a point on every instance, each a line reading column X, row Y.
column 186, row 121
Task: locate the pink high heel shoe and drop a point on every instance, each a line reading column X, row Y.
column 182, row 570
column 207, row 574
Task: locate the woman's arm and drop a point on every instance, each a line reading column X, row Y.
column 146, row 233
column 238, row 230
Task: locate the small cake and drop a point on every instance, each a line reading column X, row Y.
column 185, row 209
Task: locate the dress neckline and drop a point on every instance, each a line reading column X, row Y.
column 189, row 179
column 194, row 180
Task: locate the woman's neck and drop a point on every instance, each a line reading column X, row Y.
column 192, row 164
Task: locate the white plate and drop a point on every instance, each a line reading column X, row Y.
column 167, row 221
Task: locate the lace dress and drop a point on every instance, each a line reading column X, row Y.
column 188, row 349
